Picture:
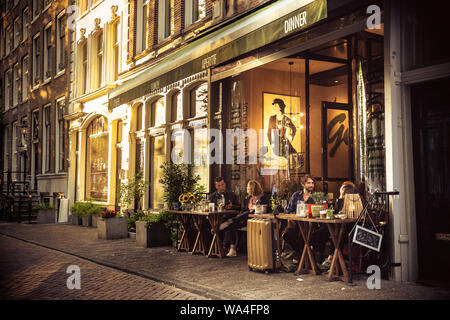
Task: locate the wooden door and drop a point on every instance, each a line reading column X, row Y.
column 431, row 148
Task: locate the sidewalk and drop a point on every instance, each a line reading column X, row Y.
column 214, row 278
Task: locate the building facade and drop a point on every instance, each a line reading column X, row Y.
column 34, row 58
column 355, row 88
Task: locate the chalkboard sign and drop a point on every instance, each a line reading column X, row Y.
column 367, row 238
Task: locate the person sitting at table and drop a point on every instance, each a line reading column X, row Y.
column 291, row 234
column 231, row 201
column 255, row 195
column 347, row 187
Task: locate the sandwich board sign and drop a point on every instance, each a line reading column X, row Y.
column 367, row 238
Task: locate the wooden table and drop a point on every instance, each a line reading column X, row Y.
column 199, row 219
column 336, row 228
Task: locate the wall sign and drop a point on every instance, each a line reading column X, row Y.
column 367, row 238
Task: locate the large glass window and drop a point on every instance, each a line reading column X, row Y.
column 25, row 75
column 60, row 134
column 97, row 152
column 158, row 112
column 200, row 158
column 157, row 159
column 60, row 41
column 177, row 107
column 199, row 100
column 47, row 138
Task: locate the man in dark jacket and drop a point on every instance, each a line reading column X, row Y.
column 291, row 234
column 231, row 201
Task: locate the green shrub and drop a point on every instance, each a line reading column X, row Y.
column 86, row 208
column 131, row 221
column 43, row 206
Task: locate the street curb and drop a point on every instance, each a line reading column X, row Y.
column 183, row 285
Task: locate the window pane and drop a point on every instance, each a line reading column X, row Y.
column 199, row 100
column 97, row 162
column 158, row 113
column 201, row 155
column 177, row 107
column 158, row 158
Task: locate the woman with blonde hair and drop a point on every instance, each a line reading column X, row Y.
column 255, row 195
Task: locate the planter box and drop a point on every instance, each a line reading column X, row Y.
column 155, row 236
column 76, row 220
column 86, row 221
column 94, row 220
column 46, row 216
column 131, row 235
column 112, row 228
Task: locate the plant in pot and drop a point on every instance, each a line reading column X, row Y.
column 46, row 213
column 111, row 225
column 131, row 222
column 86, row 211
column 178, row 179
column 130, row 193
column 320, row 200
column 154, row 230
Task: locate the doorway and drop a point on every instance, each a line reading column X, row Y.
column 431, row 149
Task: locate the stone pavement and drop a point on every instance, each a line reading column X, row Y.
column 212, row 278
column 31, row 272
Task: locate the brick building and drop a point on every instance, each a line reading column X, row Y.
column 34, row 58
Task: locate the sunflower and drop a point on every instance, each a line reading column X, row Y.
column 191, row 197
column 180, row 198
column 185, row 198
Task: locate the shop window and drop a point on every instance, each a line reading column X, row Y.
column 158, row 156
column 158, row 110
column 199, row 101
column 177, row 107
column 97, row 152
column 200, row 155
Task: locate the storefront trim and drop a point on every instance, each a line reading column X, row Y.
column 211, row 50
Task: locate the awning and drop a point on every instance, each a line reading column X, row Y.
column 258, row 29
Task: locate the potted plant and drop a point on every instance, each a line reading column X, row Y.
column 46, row 213
column 111, row 226
column 86, row 211
column 131, row 223
column 320, row 200
column 130, row 193
column 154, row 230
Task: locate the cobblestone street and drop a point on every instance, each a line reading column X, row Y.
column 34, row 261
column 28, row 271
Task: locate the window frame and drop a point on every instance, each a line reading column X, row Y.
column 60, row 35
column 25, row 23
column 15, row 85
column 46, row 138
column 36, row 60
column 47, row 56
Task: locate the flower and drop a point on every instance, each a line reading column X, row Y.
column 107, row 213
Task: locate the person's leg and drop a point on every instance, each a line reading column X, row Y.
column 230, row 239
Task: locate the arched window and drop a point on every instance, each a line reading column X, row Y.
column 177, row 107
column 158, row 112
column 139, row 125
column 97, row 152
column 199, row 100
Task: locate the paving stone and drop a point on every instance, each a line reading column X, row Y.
column 214, row 278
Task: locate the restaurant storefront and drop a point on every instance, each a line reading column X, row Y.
column 314, row 70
